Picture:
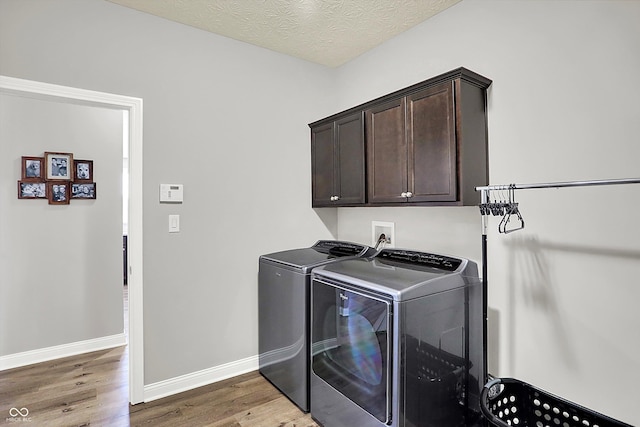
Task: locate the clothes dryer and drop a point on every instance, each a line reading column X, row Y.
column 283, row 312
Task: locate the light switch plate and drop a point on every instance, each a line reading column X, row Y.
column 174, row 223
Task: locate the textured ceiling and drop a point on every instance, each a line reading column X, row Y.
column 328, row 32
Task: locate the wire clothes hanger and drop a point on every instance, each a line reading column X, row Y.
column 511, row 209
column 507, row 207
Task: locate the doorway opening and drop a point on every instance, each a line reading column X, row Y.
column 132, row 110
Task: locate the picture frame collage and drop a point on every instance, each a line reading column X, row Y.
column 57, row 177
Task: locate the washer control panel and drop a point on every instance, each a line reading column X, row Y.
column 420, row 258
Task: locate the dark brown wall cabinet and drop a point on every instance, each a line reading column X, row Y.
column 412, row 148
column 338, row 162
column 424, row 145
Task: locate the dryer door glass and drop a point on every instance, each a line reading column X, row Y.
column 350, row 333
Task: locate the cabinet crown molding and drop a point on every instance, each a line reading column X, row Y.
column 461, row 73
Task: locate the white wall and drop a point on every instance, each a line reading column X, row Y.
column 563, row 106
column 225, row 119
column 61, row 264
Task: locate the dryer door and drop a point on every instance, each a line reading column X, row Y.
column 351, row 344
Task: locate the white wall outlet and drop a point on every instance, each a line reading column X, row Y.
column 379, row 228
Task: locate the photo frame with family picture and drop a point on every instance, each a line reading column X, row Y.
column 58, row 166
column 83, row 190
column 32, row 168
column 83, row 170
column 32, row 190
column 58, row 193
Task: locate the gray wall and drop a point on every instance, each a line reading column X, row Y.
column 61, row 264
column 228, row 121
column 225, row 119
column 563, row 106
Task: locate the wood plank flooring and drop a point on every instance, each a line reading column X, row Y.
column 92, row 390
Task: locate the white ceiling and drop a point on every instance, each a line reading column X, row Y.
column 327, row 32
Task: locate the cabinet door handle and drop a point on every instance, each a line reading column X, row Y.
column 403, row 194
column 409, row 194
column 333, row 198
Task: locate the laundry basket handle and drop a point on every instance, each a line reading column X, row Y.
column 484, row 401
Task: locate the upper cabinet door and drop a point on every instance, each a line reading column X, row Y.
column 431, row 144
column 322, row 165
column 350, row 170
column 338, row 162
column 387, row 152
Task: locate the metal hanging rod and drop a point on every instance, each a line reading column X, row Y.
column 559, row 184
column 507, row 207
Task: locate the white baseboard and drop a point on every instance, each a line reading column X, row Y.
column 200, row 378
column 17, row 360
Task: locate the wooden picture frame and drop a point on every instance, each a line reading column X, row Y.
column 82, row 170
column 83, row 190
column 32, row 169
column 58, row 166
column 32, row 190
column 58, row 193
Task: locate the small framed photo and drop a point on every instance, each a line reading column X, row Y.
column 83, row 190
column 58, row 193
column 32, row 190
column 83, row 170
column 58, row 166
column 32, row 168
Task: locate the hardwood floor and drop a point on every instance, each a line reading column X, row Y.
column 92, row 390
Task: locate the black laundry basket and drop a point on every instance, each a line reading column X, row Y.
column 510, row 402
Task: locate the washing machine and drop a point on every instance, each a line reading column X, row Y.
column 397, row 340
column 283, row 312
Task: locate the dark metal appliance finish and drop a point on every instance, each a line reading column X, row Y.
column 397, row 340
column 283, row 312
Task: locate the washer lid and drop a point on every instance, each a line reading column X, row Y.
column 403, row 274
column 322, row 252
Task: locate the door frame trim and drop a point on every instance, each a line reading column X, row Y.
column 132, row 106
